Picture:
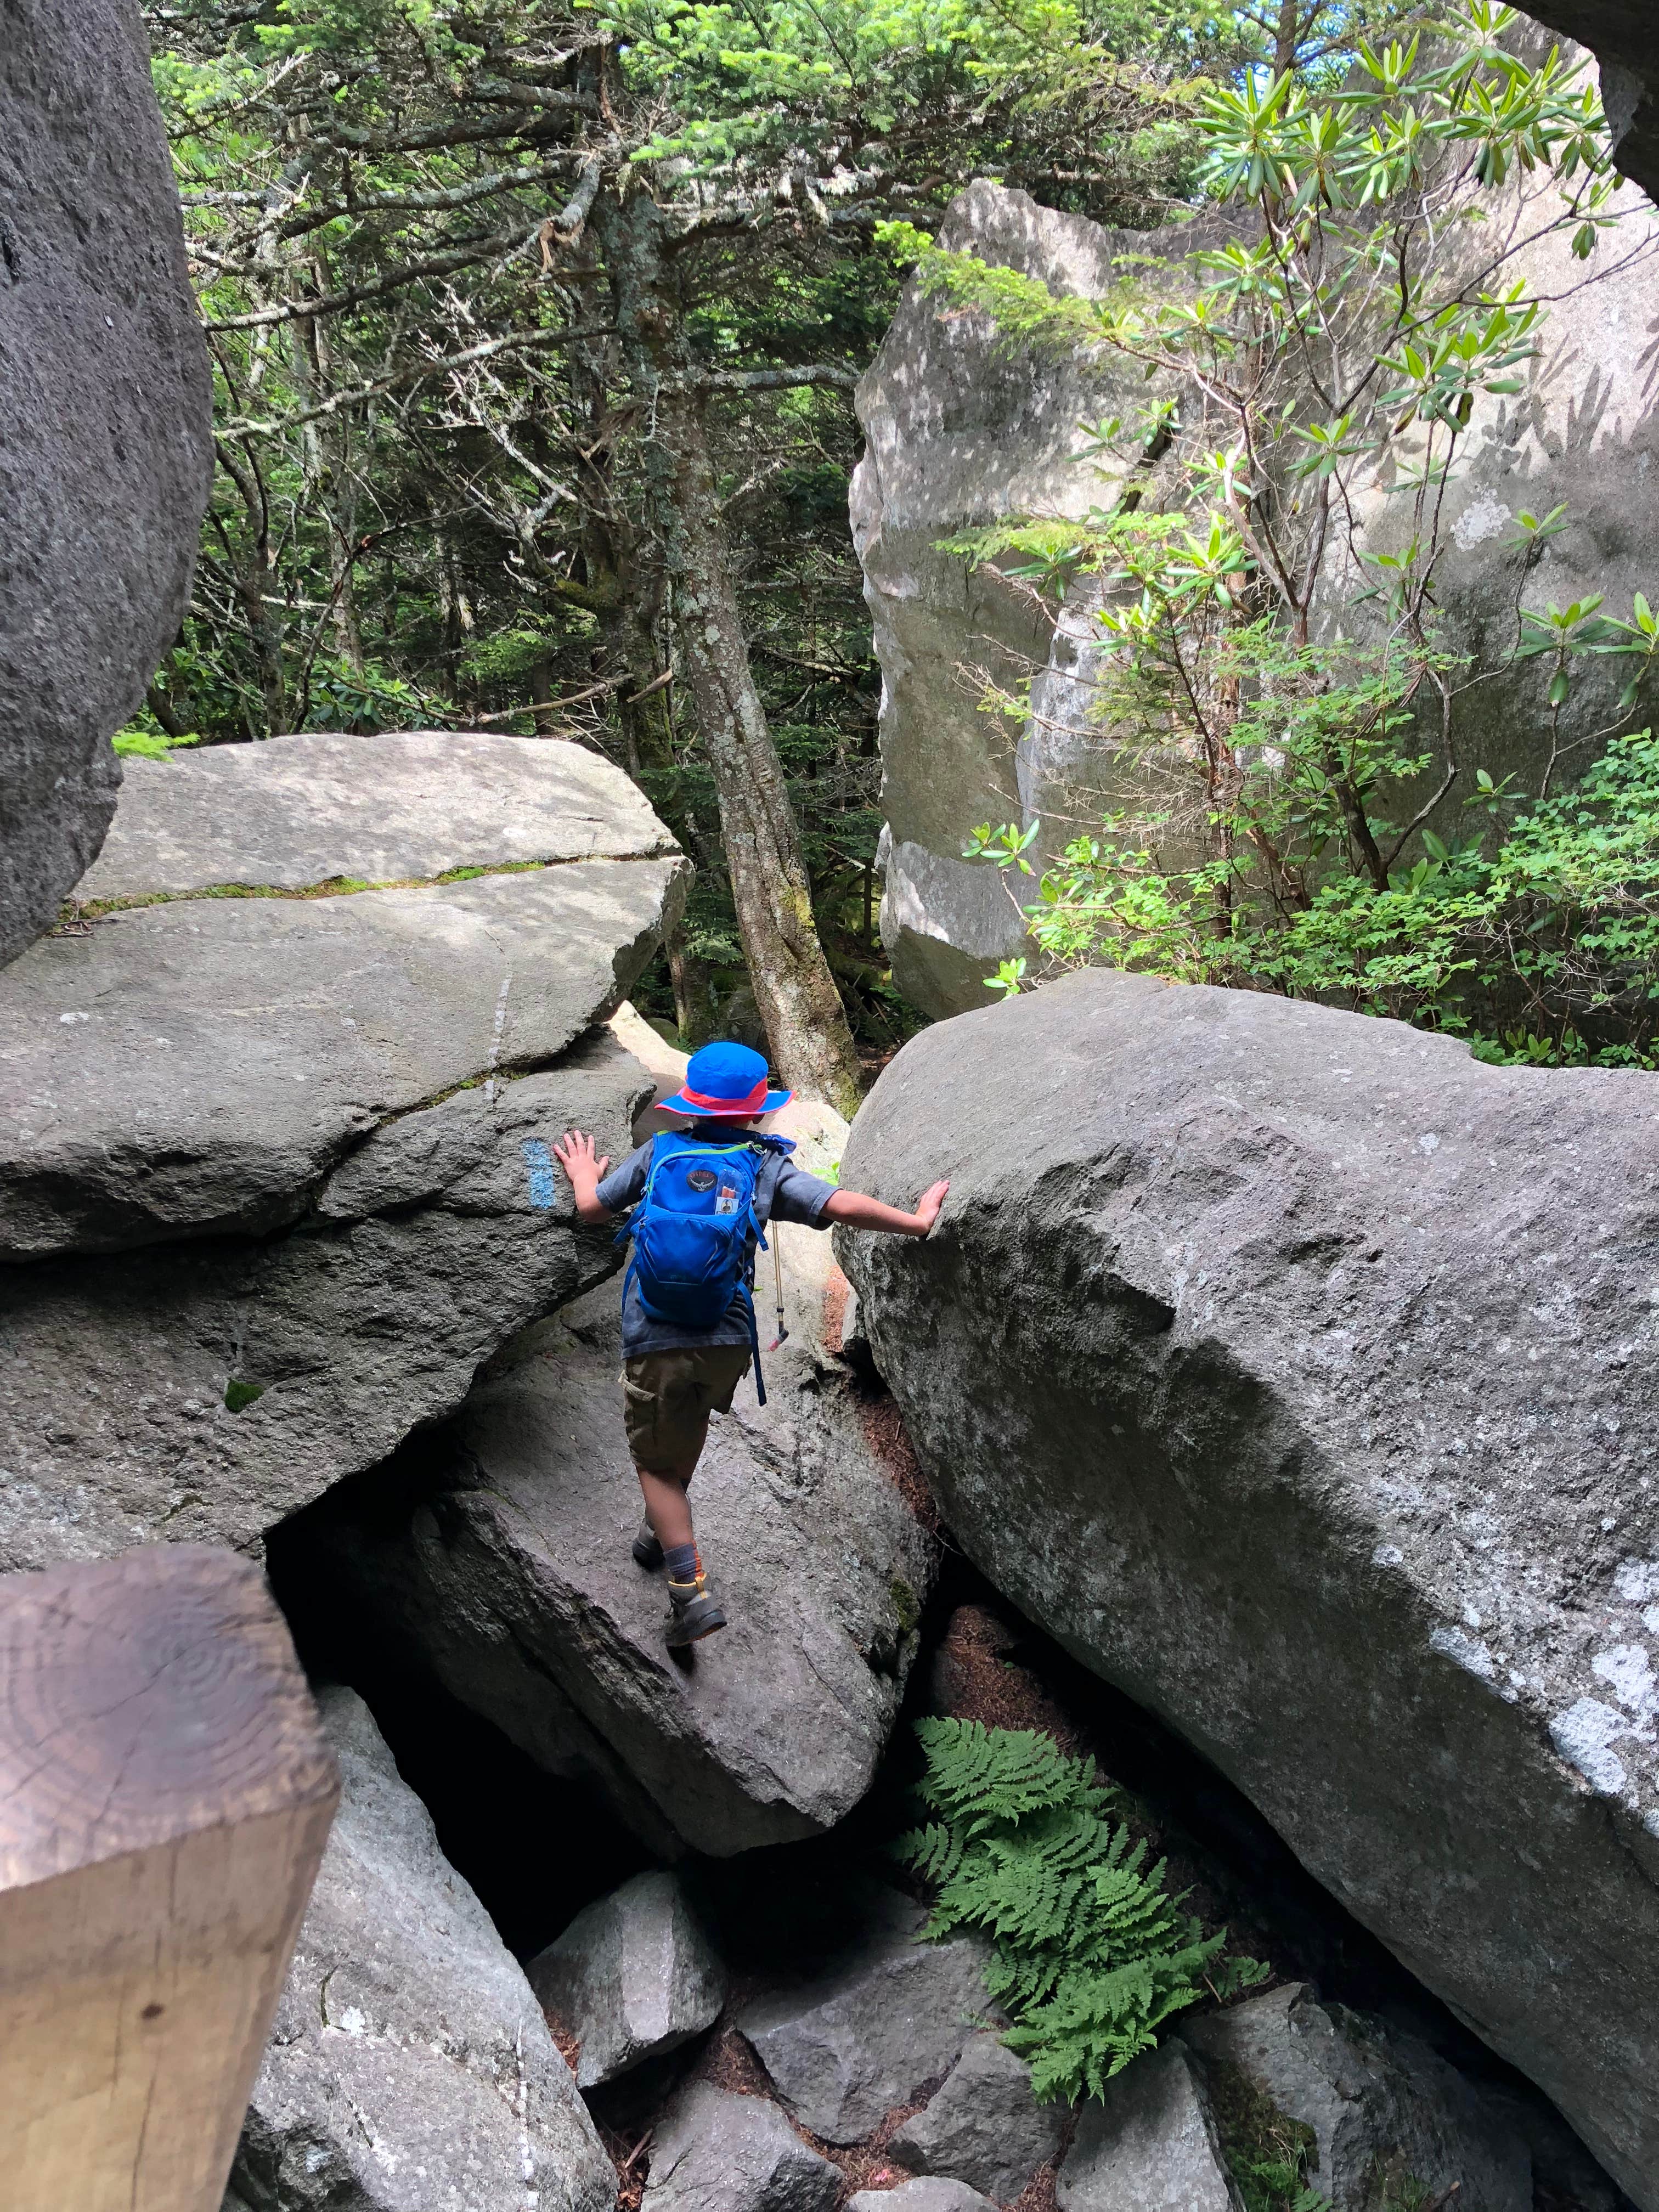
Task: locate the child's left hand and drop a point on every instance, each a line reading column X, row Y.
column 575, row 1154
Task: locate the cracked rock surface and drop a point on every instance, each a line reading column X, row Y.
column 1148, row 2145
column 275, row 1173
column 409, row 2069
column 876, row 2025
column 634, row 1974
column 1384, row 2110
column 983, row 2125
column 1298, row 1372
column 718, row 2152
column 106, row 431
column 509, row 1568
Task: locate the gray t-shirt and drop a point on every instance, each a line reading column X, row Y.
column 783, row 1192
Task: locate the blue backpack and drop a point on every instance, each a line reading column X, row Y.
column 691, row 1230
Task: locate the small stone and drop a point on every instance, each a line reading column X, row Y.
column 984, row 2126
column 632, row 1975
column 891, row 2015
column 1149, row 2145
column 716, row 2152
column 932, row 2192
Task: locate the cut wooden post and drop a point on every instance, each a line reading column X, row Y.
column 165, row 1792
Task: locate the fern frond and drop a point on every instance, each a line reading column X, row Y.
column 985, row 1775
column 1091, row 1953
column 934, row 1852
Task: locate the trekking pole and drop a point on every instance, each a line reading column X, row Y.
column 777, row 1275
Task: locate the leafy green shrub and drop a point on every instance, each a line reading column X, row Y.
column 1091, row 1955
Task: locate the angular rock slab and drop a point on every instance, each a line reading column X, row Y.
column 514, row 1577
column 1149, row 2145
column 1299, row 1372
column 1384, row 2109
column 844, row 2049
column 982, row 2126
column 445, row 1232
column 409, row 2068
column 106, row 431
column 634, row 1974
column 194, row 1069
column 403, row 805
column 716, row 2152
column 933, row 2192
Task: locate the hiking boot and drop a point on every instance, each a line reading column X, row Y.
column 695, row 1612
column 647, row 1550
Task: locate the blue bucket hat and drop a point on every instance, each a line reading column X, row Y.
column 727, row 1081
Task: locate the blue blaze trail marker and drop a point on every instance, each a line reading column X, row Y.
column 543, row 1190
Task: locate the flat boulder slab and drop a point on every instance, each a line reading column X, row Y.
column 713, row 2151
column 508, row 1568
column 933, row 2192
column 1298, row 1372
column 288, row 814
column 1388, row 2116
column 409, row 2068
column 106, row 432
column 879, row 2025
column 634, row 1974
column 1149, row 2145
column 982, row 2126
column 195, row 1065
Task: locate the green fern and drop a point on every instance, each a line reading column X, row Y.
column 1090, row 1954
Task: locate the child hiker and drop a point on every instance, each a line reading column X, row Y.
column 701, row 1197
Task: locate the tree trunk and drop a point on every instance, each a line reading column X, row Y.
column 806, row 1021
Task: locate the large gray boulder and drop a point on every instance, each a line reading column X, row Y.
column 633, row 1975
column 106, row 421
column 713, row 2151
column 1149, row 2145
column 409, row 2068
column 1384, row 2110
column 879, row 2024
column 277, row 1172
column 1296, row 1372
column 962, row 431
column 983, row 2125
column 512, row 1573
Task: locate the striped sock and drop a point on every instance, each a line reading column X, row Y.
column 682, row 1562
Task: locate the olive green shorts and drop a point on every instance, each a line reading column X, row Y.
column 667, row 1397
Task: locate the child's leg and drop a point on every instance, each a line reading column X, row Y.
column 666, row 1505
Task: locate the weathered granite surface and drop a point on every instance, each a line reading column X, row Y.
column 1149, row 2145
column 713, row 2151
column 276, row 1174
column 510, row 1568
column 634, row 1974
column 290, row 813
column 963, row 430
column 983, row 2125
column 106, row 422
column 409, row 2068
column 1298, row 1372
column 864, row 2035
column 1385, row 2112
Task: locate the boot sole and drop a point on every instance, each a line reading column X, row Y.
column 690, row 1627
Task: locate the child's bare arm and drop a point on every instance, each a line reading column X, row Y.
column 575, row 1154
column 858, row 1211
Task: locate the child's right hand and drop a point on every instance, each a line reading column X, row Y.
column 928, row 1205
